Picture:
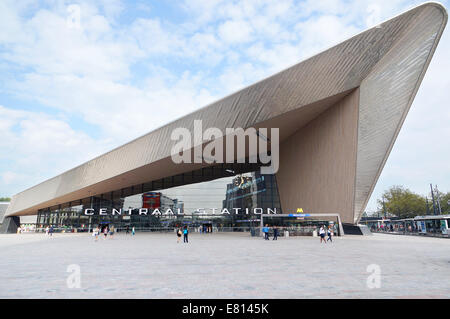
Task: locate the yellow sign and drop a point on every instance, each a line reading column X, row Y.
column 299, row 210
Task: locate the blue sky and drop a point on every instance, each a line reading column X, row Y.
column 72, row 88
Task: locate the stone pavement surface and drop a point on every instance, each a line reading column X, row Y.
column 228, row 265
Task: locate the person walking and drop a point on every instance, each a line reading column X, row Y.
column 51, row 231
column 95, row 232
column 329, row 233
column 47, row 229
column 111, row 232
column 265, row 230
column 275, row 233
column 185, row 235
column 179, row 232
column 133, row 231
column 105, row 232
column 322, row 234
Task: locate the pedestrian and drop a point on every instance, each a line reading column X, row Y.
column 105, row 232
column 265, row 230
column 47, row 229
column 133, row 231
column 275, row 233
column 95, row 232
column 128, row 230
column 185, row 235
column 329, row 233
column 51, row 231
column 111, row 232
column 178, row 235
column 322, row 234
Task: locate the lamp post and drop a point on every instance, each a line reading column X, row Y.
column 438, row 200
column 432, row 196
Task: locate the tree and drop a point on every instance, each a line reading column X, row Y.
column 5, row 199
column 444, row 200
column 401, row 202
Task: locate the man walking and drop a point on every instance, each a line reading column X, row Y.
column 329, row 232
column 275, row 233
column 185, row 235
column 265, row 230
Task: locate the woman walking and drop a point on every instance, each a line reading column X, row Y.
column 95, row 232
column 322, row 234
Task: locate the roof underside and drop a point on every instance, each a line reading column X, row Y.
column 387, row 62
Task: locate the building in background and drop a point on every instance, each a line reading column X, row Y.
column 3, row 207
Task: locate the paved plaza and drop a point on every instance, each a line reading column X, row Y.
column 228, row 265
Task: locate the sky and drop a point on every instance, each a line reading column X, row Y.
column 80, row 78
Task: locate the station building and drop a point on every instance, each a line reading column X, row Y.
column 338, row 114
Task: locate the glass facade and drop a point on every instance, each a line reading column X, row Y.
column 206, row 200
column 227, row 197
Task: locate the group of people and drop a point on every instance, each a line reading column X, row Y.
column 329, row 231
column 133, row 230
column 105, row 231
column 322, row 231
column 183, row 232
column 205, row 229
column 266, row 230
column 49, row 231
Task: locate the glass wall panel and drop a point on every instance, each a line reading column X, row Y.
column 209, row 203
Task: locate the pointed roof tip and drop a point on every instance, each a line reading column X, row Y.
column 438, row 5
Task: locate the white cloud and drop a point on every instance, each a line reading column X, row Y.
column 235, row 31
column 36, row 146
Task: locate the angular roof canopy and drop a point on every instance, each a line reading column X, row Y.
column 386, row 62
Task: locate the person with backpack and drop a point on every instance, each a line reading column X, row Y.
column 185, row 235
column 179, row 232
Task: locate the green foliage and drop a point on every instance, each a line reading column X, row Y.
column 5, row 199
column 443, row 199
column 401, row 202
